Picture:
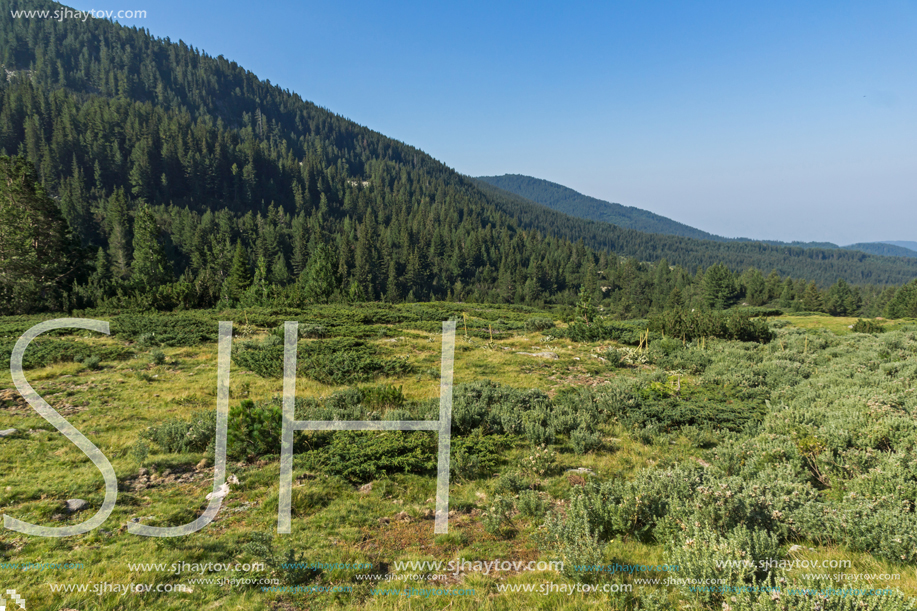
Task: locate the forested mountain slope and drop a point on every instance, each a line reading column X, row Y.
column 223, row 182
column 566, row 200
column 821, row 264
column 884, row 249
column 903, row 244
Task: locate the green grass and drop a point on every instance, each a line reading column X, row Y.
column 333, row 520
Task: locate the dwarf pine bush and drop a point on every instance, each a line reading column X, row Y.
column 816, row 442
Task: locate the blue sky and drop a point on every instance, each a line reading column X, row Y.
column 781, row 120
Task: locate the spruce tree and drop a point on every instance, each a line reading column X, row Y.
column 240, row 277
column 787, row 295
column 842, row 300
column 719, row 287
column 150, row 267
column 37, row 250
column 812, row 300
column 317, row 281
column 119, row 235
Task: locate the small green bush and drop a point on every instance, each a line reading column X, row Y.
column 571, row 539
column 630, row 332
column 538, row 323
column 383, row 397
column 254, row 430
column 530, row 504
column 362, row 456
column 476, row 455
column 157, row 357
column 585, row 440
column 498, row 517
column 867, row 326
column 180, row 436
column 511, row 482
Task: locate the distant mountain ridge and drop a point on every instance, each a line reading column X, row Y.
column 568, row 201
column 885, row 249
column 902, row 244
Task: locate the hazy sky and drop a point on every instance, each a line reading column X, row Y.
column 782, row 120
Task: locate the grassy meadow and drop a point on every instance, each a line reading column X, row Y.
column 651, row 451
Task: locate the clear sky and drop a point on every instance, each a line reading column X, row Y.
column 781, row 120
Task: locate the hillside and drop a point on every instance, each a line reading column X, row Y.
column 904, row 244
column 825, row 265
column 529, row 445
column 884, row 249
column 566, row 200
column 248, row 190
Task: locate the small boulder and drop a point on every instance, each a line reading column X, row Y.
column 74, row 505
column 220, row 493
column 8, row 432
column 366, row 488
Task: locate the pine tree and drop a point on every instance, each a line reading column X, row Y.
column 842, row 300
column 787, row 295
column 150, row 267
column 240, row 278
column 675, row 300
column 585, row 306
column 119, row 236
column 904, row 303
column 280, row 274
column 100, row 280
column 755, row 288
column 812, row 300
column 37, row 250
column 317, row 281
column 719, row 287
column 774, row 286
column 392, row 290
column 257, row 293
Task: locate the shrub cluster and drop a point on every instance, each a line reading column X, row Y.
column 335, row 361
column 688, row 325
column 631, row 332
column 828, row 457
column 177, row 329
column 867, row 326
column 44, row 351
column 497, row 409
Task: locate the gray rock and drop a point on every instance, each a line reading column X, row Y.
column 542, row 355
column 74, row 505
column 8, row 432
